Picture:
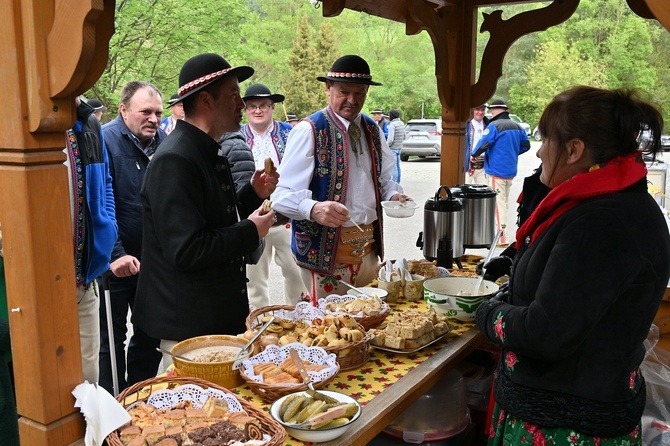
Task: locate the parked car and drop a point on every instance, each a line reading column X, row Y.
column 536, row 134
column 645, row 136
column 515, row 118
column 423, row 138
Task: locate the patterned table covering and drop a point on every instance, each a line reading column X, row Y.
column 381, row 371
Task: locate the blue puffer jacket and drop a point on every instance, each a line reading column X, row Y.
column 128, row 163
column 502, row 142
column 101, row 232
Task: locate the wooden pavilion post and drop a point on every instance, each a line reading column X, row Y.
column 52, row 50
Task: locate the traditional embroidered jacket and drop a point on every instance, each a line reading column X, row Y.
column 314, row 245
column 279, row 134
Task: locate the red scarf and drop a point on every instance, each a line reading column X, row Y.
column 615, row 175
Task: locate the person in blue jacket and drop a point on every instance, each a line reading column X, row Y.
column 93, row 224
column 502, row 142
column 132, row 139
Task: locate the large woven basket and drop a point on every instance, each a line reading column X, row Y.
column 358, row 352
column 142, row 390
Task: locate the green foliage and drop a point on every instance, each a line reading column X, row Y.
column 289, row 43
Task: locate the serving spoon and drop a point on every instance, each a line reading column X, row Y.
column 183, row 358
column 254, row 337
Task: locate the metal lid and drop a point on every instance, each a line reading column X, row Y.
column 473, row 191
column 443, row 204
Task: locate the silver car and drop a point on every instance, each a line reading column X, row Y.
column 423, row 138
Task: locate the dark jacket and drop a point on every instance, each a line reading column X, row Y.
column 582, row 299
column 128, row 164
column 193, row 275
column 502, row 142
column 240, row 158
column 100, row 227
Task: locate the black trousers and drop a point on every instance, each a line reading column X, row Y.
column 143, row 358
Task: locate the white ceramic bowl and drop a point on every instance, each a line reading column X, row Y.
column 447, row 296
column 370, row 291
column 319, row 435
column 397, row 209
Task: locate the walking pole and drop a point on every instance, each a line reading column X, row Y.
column 285, row 114
column 110, row 331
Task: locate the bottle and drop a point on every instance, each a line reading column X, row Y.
column 445, row 253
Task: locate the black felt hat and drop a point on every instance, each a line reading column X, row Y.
column 377, row 110
column 96, row 104
column 498, row 103
column 352, row 69
column 261, row 91
column 290, row 117
column 173, row 100
column 203, row 69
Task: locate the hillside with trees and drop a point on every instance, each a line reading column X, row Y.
column 289, row 43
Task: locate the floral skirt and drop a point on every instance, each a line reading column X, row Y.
column 508, row 430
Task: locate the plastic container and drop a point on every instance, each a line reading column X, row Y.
column 419, row 423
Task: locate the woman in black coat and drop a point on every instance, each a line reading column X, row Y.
column 592, row 265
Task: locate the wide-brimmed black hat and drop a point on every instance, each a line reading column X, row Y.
column 351, row 68
column 203, row 69
column 498, row 103
column 377, row 110
column 261, row 91
column 172, row 100
column 290, row 117
column 96, row 104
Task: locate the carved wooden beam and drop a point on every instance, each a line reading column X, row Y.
column 660, row 10
column 503, row 33
column 51, row 51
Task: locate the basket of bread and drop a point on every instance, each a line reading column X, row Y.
column 369, row 311
column 170, row 410
column 339, row 334
column 272, row 373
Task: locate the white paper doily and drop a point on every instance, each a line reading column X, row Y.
column 277, row 355
column 337, row 299
column 304, row 311
column 165, row 399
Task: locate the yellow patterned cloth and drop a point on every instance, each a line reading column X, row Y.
column 382, row 370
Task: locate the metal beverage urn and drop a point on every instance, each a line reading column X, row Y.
column 479, row 208
column 442, row 221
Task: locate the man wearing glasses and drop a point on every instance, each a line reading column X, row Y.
column 267, row 139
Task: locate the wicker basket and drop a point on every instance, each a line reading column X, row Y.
column 221, row 373
column 358, row 352
column 272, row 392
column 142, row 390
column 367, row 322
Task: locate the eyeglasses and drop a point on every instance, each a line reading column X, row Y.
column 252, row 108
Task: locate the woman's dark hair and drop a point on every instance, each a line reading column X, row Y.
column 608, row 121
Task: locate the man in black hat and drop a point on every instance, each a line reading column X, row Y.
column 378, row 116
column 98, row 107
column 266, row 138
column 502, row 142
column 197, row 228
column 292, row 119
column 177, row 109
column 336, row 170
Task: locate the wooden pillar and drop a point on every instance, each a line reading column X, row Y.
column 452, row 30
column 51, row 51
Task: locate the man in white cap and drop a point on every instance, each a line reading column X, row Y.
column 266, row 138
column 335, row 173
column 197, row 228
column 501, row 144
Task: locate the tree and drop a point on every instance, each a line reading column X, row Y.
column 303, row 92
column 153, row 46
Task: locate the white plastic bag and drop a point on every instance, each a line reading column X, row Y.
column 656, row 371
